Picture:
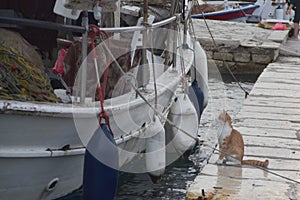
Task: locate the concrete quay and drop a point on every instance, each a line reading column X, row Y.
column 270, row 126
column 246, row 48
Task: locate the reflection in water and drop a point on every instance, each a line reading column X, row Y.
column 232, row 185
column 172, row 186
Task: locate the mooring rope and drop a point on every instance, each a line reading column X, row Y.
column 145, row 100
column 259, row 167
column 197, row 139
column 234, row 158
column 292, row 52
column 153, row 69
column 246, row 94
column 223, row 59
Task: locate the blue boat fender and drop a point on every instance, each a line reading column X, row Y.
column 101, row 163
column 198, row 91
column 197, row 98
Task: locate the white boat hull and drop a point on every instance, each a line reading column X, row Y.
column 43, row 144
column 36, row 154
column 34, row 175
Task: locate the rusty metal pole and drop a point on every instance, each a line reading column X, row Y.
column 84, row 57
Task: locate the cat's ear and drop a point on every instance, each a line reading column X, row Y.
column 226, row 113
column 222, row 115
column 228, row 118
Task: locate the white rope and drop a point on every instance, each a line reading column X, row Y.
column 153, row 69
column 178, row 128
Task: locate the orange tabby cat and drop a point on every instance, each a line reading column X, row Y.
column 232, row 145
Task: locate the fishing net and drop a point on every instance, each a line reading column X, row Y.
column 22, row 81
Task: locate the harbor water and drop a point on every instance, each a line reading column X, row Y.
column 223, row 95
column 228, row 96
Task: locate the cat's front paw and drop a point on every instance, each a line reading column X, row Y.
column 220, row 162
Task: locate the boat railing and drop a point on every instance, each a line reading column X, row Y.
column 80, row 29
column 84, row 29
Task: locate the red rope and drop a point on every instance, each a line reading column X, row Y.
column 107, row 63
column 94, row 31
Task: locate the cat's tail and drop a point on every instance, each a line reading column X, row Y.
column 256, row 163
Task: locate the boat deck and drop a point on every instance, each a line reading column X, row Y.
column 270, row 124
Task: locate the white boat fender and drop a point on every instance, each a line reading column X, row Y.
column 155, row 156
column 184, row 115
column 101, row 162
column 201, row 71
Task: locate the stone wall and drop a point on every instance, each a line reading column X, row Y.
column 240, row 58
column 243, row 47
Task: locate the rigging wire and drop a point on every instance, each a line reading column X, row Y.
column 178, row 128
column 153, row 68
column 259, row 167
column 223, row 59
column 183, row 78
column 194, row 41
column 180, row 50
column 145, row 100
column 246, row 94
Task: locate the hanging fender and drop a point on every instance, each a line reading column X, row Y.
column 197, row 98
column 155, row 156
column 201, row 71
column 184, row 115
column 101, row 162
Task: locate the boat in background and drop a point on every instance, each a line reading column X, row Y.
column 225, row 10
column 133, row 70
column 240, row 11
